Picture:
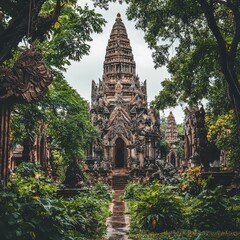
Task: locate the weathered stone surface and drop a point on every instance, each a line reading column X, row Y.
column 171, row 136
column 118, row 222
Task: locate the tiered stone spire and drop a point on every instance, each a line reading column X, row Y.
column 119, row 60
column 171, row 131
column 119, row 82
column 171, row 136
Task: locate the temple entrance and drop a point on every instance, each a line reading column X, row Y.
column 173, row 160
column 119, row 153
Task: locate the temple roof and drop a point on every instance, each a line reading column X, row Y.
column 119, row 61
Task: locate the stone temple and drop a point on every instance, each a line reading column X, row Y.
column 128, row 128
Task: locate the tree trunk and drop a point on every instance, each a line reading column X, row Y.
column 5, row 112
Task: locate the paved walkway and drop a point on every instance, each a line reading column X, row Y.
column 118, row 222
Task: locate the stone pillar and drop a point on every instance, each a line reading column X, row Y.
column 5, row 112
column 141, row 159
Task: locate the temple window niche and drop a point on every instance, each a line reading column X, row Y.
column 118, row 68
column 123, row 140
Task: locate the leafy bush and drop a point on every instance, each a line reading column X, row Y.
column 187, row 235
column 89, row 212
column 30, row 209
column 156, row 208
column 191, row 183
column 23, row 216
column 212, row 210
column 131, row 190
column 28, row 169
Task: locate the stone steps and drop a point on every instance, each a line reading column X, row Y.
column 119, row 181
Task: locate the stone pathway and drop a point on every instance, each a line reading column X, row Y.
column 118, row 222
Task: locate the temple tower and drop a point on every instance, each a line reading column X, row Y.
column 129, row 130
column 171, row 136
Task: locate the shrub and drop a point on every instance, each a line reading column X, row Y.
column 156, row 208
column 212, row 210
column 131, row 190
column 27, row 169
column 30, row 209
column 187, row 235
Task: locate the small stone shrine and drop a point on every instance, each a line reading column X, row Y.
column 129, row 129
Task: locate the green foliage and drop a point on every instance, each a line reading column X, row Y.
column 30, row 209
column 224, row 132
column 89, row 212
column 164, row 147
column 212, row 210
column 60, row 29
column 71, row 33
column 28, row 169
column 131, row 190
column 187, row 235
column 67, row 117
column 156, row 208
column 195, row 49
column 190, row 182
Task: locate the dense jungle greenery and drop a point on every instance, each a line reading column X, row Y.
column 66, row 30
column 186, row 209
column 31, row 209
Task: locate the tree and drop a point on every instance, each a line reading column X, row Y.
column 207, row 35
column 223, row 132
column 66, row 115
column 57, row 28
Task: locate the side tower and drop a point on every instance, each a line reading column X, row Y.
column 129, row 130
column 171, row 136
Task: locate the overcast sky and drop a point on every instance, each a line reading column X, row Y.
column 80, row 74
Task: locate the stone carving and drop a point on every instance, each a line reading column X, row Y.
column 166, row 172
column 27, row 81
column 195, row 139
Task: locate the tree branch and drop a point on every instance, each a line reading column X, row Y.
column 236, row 36
column 13, row 35
column 226, row 63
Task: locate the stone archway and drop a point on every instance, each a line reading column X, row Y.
column 120, row 153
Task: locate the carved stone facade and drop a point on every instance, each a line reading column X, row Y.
column 128, row 128
column 171, row 136
column 195, row 138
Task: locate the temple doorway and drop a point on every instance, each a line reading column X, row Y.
column 119, row 153
column 173, row 160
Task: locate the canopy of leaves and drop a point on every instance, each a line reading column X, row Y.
column 198, row 41
column 61, row 30
column 64, row 113
column 223, row 131
column 62, row 27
